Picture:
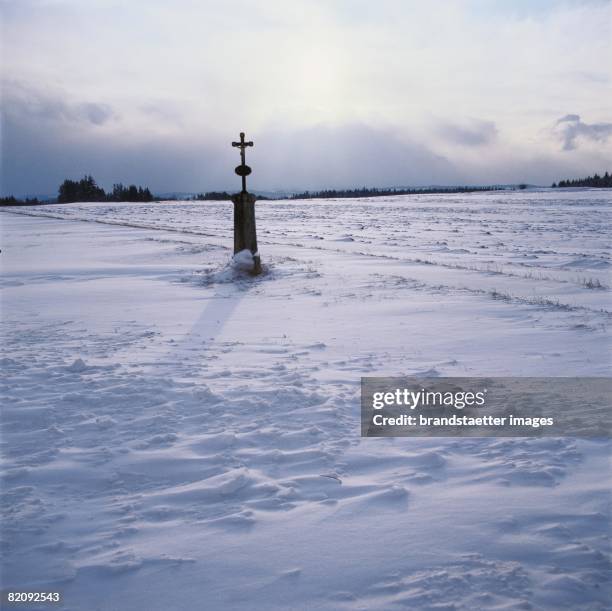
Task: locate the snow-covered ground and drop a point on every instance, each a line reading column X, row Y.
column 179, row 436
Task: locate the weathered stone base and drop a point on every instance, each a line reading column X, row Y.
column 245, row 235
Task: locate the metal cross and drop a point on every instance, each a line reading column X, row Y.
column 243, row 169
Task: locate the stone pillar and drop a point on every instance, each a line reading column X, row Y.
column 245, row 235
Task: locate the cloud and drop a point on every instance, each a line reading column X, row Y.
column 335, row 156
column 39, row 154
column 38, row 104
column 568, row 118
column 471, row 133
column 98, row 114
column 570, row 130
column 47, row 138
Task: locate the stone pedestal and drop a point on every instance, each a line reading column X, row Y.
column 245, row 235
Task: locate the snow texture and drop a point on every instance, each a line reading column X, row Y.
column 178, row 434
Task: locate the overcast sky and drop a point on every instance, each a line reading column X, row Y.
column 333, row 92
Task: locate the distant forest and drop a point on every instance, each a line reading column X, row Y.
column 86, row 190
column 13, row 201
column 596, row 180
column 212, row 196
column 375, row 192
column 217, row 196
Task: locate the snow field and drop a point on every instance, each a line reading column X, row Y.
column 179, row 434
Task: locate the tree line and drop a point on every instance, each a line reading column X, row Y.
column 377, row 192
column 217, row 196
column 13, row 201
column 87, row 190
column 212, row 196
column 596, row 180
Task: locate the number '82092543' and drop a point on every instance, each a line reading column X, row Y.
column 32, row 597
